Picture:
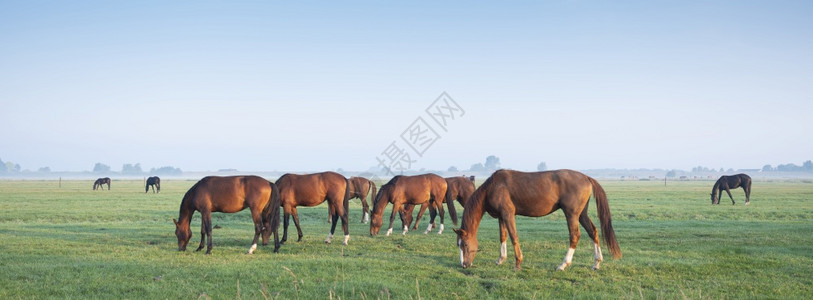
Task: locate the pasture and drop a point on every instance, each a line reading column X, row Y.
column 74, row 242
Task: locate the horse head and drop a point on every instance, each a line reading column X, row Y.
column 468, row 247
column 713, row 198
column 183, row 233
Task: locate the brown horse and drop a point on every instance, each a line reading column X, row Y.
column 725, row 183
column 458, row 188
column 311, row 190
column 509, row 193
column 99, row 182
column 401, row 190
column 359, row 188
column 153, row 181
column 229, row 195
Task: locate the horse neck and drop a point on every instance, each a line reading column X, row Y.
column 187, row 209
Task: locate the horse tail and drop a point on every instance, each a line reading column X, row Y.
column 450, row 205
column 271, row 211
column 346, row 198
column 373, row 193
column 606, row 220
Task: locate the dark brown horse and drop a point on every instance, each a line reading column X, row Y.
column 359, row 188
column 458, row 188
column 311, row 190
column 725, row 183
column 99, row 182
column 229, row 195
column 509, row 193
column 401, row 190
column 155, row 182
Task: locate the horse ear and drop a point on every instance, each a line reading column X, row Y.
column 175, row 221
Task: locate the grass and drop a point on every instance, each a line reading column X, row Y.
column 73, row 242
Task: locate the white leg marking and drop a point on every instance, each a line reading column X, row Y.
column 389, row 231
column 253, row 247
column 568, row 259
column 428, row 228
column 597, row 256
column 441, row 229
column 503, row 253
column 346, row 238
column 406, row 229
column 329, row 238
column 366, row 218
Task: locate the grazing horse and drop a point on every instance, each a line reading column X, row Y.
column 509, row 193
column 311, row 190
column 99, row 182
column 359, row 188
column 229, row 195
column 402, row 190
column 725, row 183
column 153, row 181
column 458, row 188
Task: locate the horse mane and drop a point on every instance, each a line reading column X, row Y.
column 476, row 204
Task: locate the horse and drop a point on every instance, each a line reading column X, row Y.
column 458, row 188
column 359, row 188
column 153, row 181
column 725, row 183
column 509, row 193
column 401, row 190
column 311, row 190
column 229, row 195
column 99, row 182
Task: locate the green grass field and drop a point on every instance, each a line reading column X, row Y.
column 73, row 242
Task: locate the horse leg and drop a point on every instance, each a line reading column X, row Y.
column 432, row 215
column 287, row 216
column 258, row 228
column 729, row 195
column 295, row 215
column 335, row 218
column 207, row 225
column 330, row 212
column 573, row 228
column 345, row 217
column 396, row 207
column 503, row 245
column 511, row 226
column 592, row 231
column 202, row 233
column 747, row 188
column 440, row 208
column 420, row 216
column 366, row 216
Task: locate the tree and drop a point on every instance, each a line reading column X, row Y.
column 808, row 165
column 101, row 168
column 44, row 170
column 492, row 163
column 478, row 167
column 3, row 168
column 671, row 173
column 452, row 169
column 767, row 168
column 542, row 166
column 168, row 170
column 131, row 169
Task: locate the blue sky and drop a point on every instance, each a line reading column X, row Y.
column 323, row 85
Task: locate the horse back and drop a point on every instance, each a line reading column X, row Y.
column 311, row 189
column 538, row 194
column 231, row 194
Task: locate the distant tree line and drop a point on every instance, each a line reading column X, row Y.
column 807, row 166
